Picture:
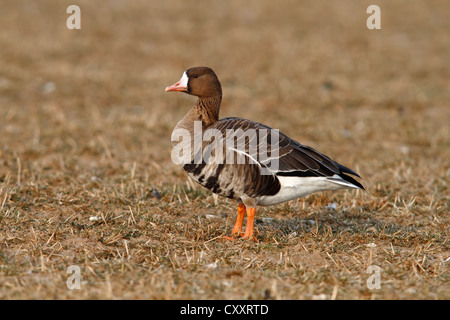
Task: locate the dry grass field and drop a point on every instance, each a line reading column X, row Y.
column 86, row 177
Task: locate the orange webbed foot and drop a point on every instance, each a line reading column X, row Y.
column 237, row 229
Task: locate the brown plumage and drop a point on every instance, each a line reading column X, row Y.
column 236, row 173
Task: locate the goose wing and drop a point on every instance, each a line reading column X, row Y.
column 280, row 155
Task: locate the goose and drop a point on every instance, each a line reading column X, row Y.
column 216, row 154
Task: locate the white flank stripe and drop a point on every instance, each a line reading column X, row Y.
column 296, row 187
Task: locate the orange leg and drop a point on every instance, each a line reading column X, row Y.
column 249, row 228
column 237, row 229
column 240, row 218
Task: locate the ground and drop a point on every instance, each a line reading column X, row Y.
column 86, row 177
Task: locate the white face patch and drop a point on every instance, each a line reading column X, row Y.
column 184, row 80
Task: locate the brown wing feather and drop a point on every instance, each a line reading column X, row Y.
column 294, row 158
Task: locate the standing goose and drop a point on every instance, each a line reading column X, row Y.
column 279, row 169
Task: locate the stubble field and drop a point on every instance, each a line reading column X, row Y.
column 86, row 177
